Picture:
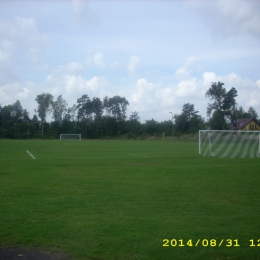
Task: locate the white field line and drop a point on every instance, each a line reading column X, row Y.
column 31, row 155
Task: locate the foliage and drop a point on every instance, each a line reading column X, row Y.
column 59, row 108
column 96, row 118
column 44, row 101
column 251, row 111
column 223, row 105
column 188, row 121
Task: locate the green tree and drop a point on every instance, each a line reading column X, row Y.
column 134, row 116
column 117, row 107
column 34, row 125
column 44, row 101
column 106, row 104
column 241, row 113
column 252, row 112
column 152, row 127
column 217, row 121
column 166, row 127
column 84, row 107
column 134, row 125
column 59, row 109
column 97, row 108
column 1, row 129
column 110, row 126
column 15, row 121
column 188, row 121
column 223, row 105
column 7, row 122
column 71, row 113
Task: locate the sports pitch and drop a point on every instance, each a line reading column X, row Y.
column 122, row 200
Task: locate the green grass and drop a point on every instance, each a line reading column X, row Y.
column 112, row 200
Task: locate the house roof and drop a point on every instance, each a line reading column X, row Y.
column 241, row 123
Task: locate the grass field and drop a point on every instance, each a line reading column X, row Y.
column 109, row 200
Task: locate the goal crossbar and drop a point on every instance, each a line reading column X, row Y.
column 229, row 143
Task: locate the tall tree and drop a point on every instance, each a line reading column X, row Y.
column 241, row 113
column 0, row 115
column 134, row 125
column 97, row 108
column 7, row 122
column 59, row 109
column 152, row 127
column 252, row 112
column 44, row 101
column 188, row 111
column 15, row 121
column 134, row 116
column 17, row 111
column 84, row 107
column 188, row 121
column 117, row 107
column 106, row 104
column 71, row 113
column 223, row 105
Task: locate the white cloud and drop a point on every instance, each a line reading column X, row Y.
column 254, row 100
column 11, row 92
column 72, row 67
column 96, row 60
column 83, row 13
column 23, row 95
column 34, row 54
column 258, row 83
column 153, row 100
column 184, row 71
column 192, row 90
column 19, row 37
column 167, row 97
column 76, row 84
column 6, row 51
column 188, row 88
column 43, row 66
column 26, row 30
column 134, row 63
column 143, row 91
column 21, row 30
column 230, row 17
column 115, row 65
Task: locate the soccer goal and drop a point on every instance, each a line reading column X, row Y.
column 229, row 143
column 70, row 137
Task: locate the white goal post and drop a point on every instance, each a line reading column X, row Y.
column 70, row 137
column 229, row 143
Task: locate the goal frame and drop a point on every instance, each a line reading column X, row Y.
column 227, row 131
column 79, row 135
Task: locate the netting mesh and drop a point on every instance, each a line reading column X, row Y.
column 232, row 144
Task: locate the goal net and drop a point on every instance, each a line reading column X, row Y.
column 231, row 144
column 70, row 137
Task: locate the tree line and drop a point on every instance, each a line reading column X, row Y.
column 96, row 118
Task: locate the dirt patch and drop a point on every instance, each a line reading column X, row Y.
column 14, row 253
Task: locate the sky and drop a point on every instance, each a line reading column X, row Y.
column 159, row 55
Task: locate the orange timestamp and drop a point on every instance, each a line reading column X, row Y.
column 207, row 242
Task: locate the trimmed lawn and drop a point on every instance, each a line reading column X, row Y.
column 111, row 200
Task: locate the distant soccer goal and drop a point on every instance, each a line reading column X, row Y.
column 70, row 137
column 231, row 144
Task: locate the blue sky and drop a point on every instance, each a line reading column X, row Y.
column 159, row 55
